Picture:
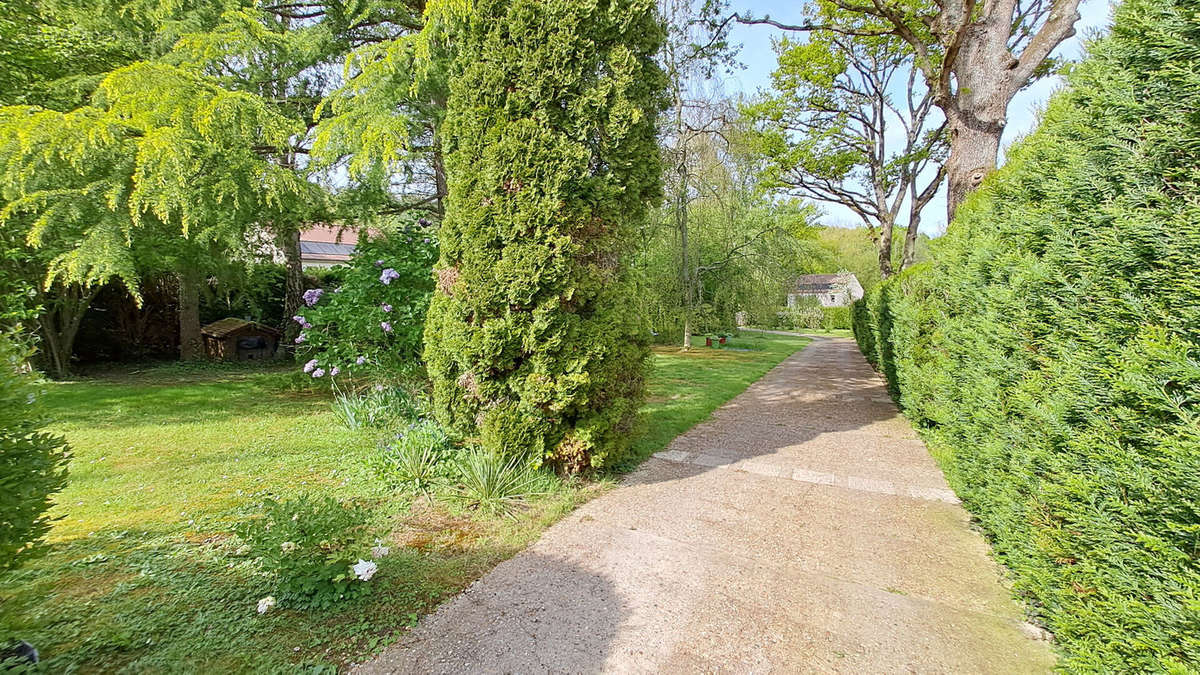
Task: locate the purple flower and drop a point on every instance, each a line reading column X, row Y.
column 360, row 360
column 426, row 240
column 388, row 276
column 319, row 372
column 299, row 319
column 379, row 387
column 386, row 326
column 423, row 222
column 379, row 263
column 386, row 307
column 300, row 338
column 312, row 295
column 308, row 367
column 333, row 372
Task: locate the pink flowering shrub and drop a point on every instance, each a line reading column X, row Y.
column 371, row 324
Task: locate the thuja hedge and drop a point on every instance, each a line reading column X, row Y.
column 1051, row 351
column 532, row 341
column 33, row 463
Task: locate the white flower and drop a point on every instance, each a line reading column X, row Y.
column 378, row 552
column 364, row 569
column 288, row 546
column 266, row 604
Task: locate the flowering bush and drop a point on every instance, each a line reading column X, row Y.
column 312, row 550
column 371, row 323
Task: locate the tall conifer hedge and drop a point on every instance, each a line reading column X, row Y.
column 1051, row 351
column 532, row 340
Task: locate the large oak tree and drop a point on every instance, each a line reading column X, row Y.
column 975, row 55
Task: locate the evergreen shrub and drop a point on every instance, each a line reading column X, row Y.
column 1051, row 351
column 533, row 343
column 33, row 463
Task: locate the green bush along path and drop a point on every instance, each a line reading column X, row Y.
column 144, row 572
column 1050, row 351
column 802, row 528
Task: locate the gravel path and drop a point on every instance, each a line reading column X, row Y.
column 803, row 528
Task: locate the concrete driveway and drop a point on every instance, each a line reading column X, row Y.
column 803, row 528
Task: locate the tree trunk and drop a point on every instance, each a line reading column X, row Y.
column 59, row 324
column 439, row 175
column 975, row 117
column 909, row 255
column 293, row 297
column 685, row 268
column 973, row 149
column 190, row 347
column 884, row 246
column 55, row 355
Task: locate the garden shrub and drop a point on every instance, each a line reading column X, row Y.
column 417, row 459
column 1051, row 351
column 371, row 323
column 805, row 314
column 308, row 547
column 533, row 342
column 835, row 318
column 33, row 463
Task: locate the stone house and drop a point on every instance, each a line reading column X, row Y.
column 831, row 290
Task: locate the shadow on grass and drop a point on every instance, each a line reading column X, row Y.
column 161, row 601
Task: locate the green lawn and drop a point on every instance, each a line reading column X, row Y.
column 144, row 576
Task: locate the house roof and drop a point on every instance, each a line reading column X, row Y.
column 816, row 283
column 314, row 250
column 330, row 234
column 329, row 243
column 227, row 327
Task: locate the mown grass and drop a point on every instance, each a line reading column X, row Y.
column 143, row 574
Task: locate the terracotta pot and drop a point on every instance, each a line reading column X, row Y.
column 722, row 339
column 707, row 342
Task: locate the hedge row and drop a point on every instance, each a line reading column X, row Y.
column 1051, row 351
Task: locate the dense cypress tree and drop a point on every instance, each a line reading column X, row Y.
column 532, row 342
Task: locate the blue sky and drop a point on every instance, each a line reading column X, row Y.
column 759, row 60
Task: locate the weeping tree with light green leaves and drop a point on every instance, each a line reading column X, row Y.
column 532, row 342
column 293, row 56
column 161, row 157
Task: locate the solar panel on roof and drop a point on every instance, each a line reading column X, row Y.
column 321, row 248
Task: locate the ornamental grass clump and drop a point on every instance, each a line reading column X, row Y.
column 418, row 460
column 380, row 406
column 496, row 484
column 532, row 343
